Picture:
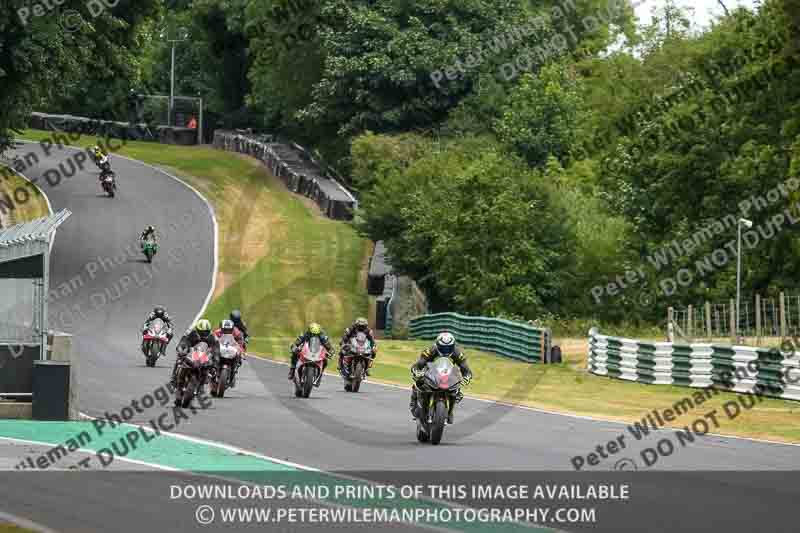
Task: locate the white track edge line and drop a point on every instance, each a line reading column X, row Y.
column 90, row 452
column 556, row 413
column 220, row 445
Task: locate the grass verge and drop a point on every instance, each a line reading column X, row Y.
column 19, row 200
column 284, row 264
column 10, row 528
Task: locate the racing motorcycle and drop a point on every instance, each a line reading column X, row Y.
column 436, row 392
column 310, row 361
column 149, row 249
column 109, row 184
column 154, row 341
column 230, row 358
column 355, row 361
column 193, row 369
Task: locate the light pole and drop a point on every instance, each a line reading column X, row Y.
column 182, row 35
column 748, row 224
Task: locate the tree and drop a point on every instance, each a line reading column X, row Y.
column 540, row 117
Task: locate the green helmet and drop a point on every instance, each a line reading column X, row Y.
column 314, row 328
column 203, row 327
column 361, row 324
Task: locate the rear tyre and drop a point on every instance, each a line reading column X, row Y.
column 439, row 418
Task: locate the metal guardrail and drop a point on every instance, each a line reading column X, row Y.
column 504, row 337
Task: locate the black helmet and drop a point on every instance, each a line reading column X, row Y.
column 445, row 344
column 236, row 315
column 361, row 324
column 226, row 326
column 159, row 311
column 150, row 228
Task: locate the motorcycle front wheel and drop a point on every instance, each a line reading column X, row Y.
column 358, row 374
column 222, row 381
column 189, row 392
column 439, row 418
column 308, row 376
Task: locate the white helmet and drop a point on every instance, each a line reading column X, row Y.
column 445, row 344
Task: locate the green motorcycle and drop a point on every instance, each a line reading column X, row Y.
column 150, row 249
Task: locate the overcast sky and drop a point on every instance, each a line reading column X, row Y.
column 704, row 10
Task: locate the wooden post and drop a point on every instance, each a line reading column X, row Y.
column 782, row 304
column 733, row 316
column 758, row 316
column 708, row 322
column 689, row 323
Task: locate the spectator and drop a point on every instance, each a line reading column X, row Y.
column 193, row 123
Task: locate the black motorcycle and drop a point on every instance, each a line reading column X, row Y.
column 356, row 359
column 109, row 184
column 193, row 370
column 436, row 393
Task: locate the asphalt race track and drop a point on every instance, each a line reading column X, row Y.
column 333, row 430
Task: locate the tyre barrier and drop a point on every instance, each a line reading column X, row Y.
column 743, row 369
column 292, row 164
column 503, row 337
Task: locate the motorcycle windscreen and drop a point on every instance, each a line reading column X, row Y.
column 443, row 373
column 314, row 349
column 228, row 345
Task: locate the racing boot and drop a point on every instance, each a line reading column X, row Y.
column 413, row 403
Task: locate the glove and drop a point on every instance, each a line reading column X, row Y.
column 466, row 380
column 417, row 373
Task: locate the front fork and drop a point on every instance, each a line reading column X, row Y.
column 432, row 404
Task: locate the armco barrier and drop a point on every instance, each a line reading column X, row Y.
column 503, row 337
column 743, row 369
column 295, row 168
column 116, row 130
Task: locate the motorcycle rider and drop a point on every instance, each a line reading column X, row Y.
column 444, row 346
column 97, row 153
column 149, row 231
column 200, row 333
column 313, row 330
column 359, row 326
column 236, row 317
column 159, row 312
